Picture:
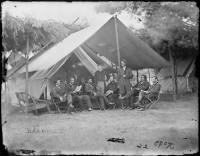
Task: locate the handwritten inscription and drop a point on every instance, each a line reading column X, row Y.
column 142, row 146
column 165, row 144
column 39, row 130
column 49, row 152
column 158, row 144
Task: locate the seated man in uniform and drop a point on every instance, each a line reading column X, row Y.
column 151, row 93
column 60, row 94
column 77, row 95
column 94, row 93
column 143, row 84
column 112, row 90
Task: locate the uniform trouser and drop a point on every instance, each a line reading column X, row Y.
column 66, row 102
column 101, row 97
column 81, row 99
column 124, row 86
column 86, row 99
column 132, row 94
column 125, row 90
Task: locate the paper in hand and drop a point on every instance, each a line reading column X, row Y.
column 77, row 89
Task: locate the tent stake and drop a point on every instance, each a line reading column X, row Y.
column 117, row 40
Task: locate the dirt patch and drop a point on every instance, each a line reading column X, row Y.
column 168, row 128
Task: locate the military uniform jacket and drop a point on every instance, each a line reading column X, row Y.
column 142, row 85
column 58, row 92
column 112, row 86
column 127, row 72
column 155, row 89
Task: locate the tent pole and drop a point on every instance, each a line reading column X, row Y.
column 117, row 40
column 149, row 75
column 27, row 52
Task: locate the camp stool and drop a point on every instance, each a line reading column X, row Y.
column 33, row 103
column 151, row 102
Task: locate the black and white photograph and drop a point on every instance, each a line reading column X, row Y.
column 100, row 78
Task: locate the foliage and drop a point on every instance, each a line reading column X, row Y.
column 110, row 7
column 176, row 23
column 16, row 30
column 165, row 22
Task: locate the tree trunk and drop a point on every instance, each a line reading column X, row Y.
column 27, row 53
column 175, row 71
column 117, row 41
column 172, row 61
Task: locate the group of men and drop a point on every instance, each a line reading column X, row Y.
column 116, row 89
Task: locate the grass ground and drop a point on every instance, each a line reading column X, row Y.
column 168, row 128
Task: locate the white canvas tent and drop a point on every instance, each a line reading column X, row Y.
column 185, row 76
column 102, row 39
column 78, row 63
column 99, row 39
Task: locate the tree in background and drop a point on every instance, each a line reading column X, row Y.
column 28, row 34
column 171, row 28
column 14, row 29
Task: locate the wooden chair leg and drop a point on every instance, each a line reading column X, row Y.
column 149, row 106
column 48, row 109
column 69, row 108
column 36, row 112
column 58, row 109
column 122, row 104
column 114, row 106
column 152, row 103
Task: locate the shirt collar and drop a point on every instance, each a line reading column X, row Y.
column 124, row 68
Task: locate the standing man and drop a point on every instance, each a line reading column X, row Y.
column 124, row 76
column 99, row 79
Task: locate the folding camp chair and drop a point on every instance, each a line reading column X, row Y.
column 61, row 107
column 33, row 103
column 148, row 104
